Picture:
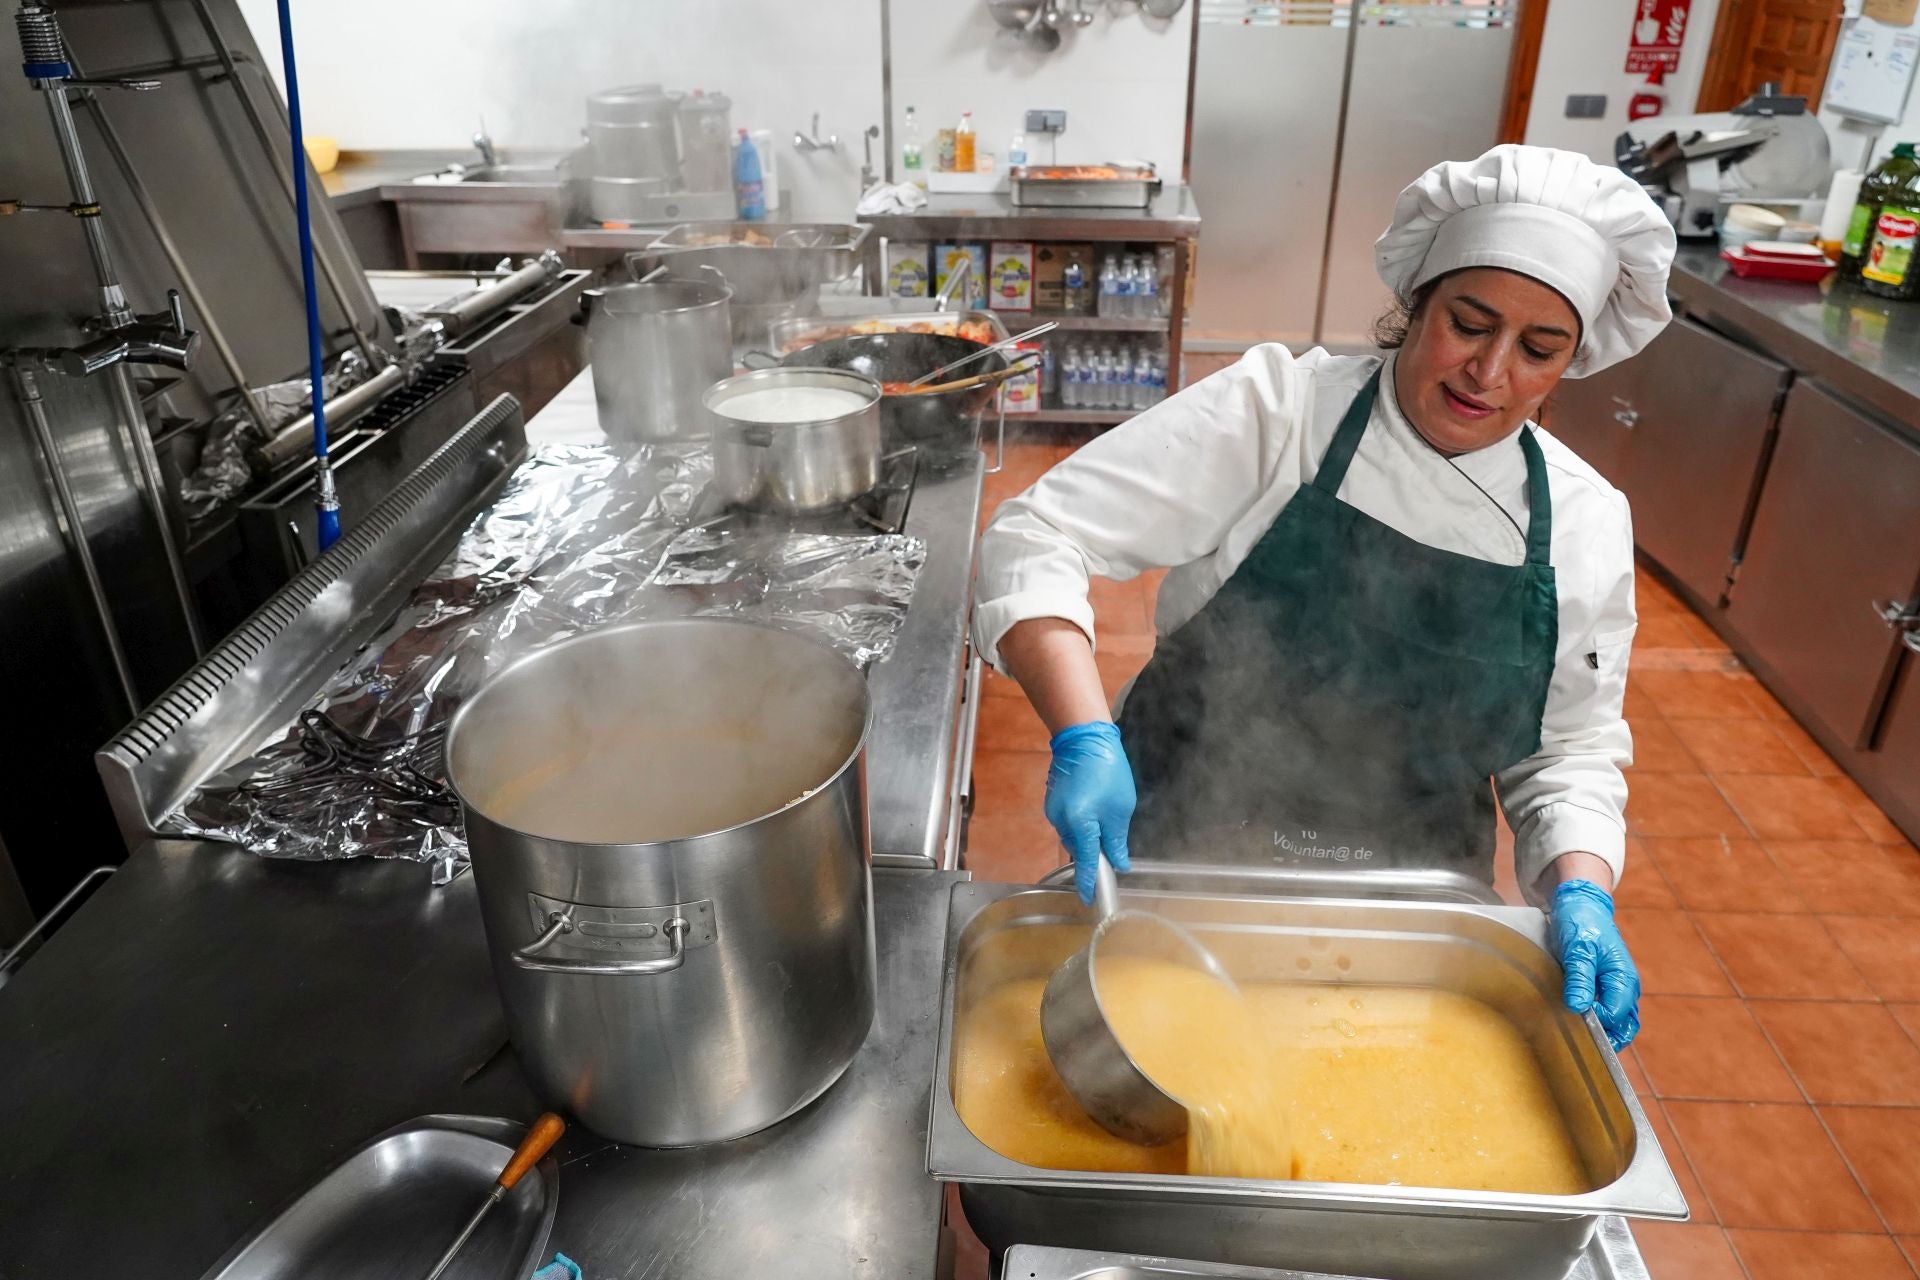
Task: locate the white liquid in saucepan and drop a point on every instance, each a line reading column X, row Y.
column 792, row 404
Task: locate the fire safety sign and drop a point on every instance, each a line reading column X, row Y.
column 1659, row 28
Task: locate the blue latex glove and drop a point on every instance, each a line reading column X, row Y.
column 561, row 1268
column 1600, row 973
column 1090, row 798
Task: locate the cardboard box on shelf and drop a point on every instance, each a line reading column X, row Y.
column 1010, row 275
column 909, row 269
column 947, row 256
column 1050, row 266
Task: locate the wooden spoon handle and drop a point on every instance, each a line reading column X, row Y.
column 541, row 1136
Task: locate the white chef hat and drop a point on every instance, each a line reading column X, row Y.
column 1584, row 229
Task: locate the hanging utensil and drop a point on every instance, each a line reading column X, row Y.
column 981, row 354
column 541, row 1135
column 1082, row 16
column 1043, row 32
column 1089, row 1059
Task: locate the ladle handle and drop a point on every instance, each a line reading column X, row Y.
column 1106, row 889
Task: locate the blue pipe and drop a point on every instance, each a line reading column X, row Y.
column 327, row 499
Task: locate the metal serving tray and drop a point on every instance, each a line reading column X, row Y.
column 801, row 331
column 1610, row 1256
column 391, row 1208
column 1037, row 187
column 1494, row 954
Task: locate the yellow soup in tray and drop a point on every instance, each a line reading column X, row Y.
column 1405, row 1086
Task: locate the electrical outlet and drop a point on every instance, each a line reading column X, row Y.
column 1046, row 121
column 1586, row 106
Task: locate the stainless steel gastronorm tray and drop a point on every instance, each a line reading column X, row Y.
column 1611, row 1255
column 1134, row 190
column 1494, row 954
column 390, row 1209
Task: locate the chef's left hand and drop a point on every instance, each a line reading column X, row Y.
column 1599, row 972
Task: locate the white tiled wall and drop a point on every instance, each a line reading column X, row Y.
column 1121, row 81
column 1583, row 50
column 382, row 74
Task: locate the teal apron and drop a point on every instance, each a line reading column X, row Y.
column 1346, row 697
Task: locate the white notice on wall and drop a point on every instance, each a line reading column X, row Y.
column 1873, row 72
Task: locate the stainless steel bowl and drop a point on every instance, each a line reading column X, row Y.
column 795, row 466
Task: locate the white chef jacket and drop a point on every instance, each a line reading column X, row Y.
column 1193, row 483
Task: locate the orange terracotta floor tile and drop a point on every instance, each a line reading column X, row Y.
column 1778, row 808
column 1886, row 949
column 1664, row 631
column 1770, row 1164
column 1013, row 848
column 1908, row 1016
column 1851, row 877
column 1782, row 956
column 1643, row 887
column 1658, row 749
column 1877, row 825
column 1844, row 1053
column 1010, row 724
column 1727, row 744
column 1009, row 782
column 1698, row 1205
column 1688, row 694
column 1680, row 804
column 1720, row 873
column 1671, row 957
column 1709, row 1047
column 1811, row 753
column 1819, row 1255
column 1686, row 1251
column 1120, row 608
column 1880, row 1143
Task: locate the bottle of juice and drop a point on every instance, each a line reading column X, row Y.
column 1866, row 209
column 1890, row 269
column 963, row 144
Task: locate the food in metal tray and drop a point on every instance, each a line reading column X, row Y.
column 1382, row 1085
column 973, row 330
column 1085, row 173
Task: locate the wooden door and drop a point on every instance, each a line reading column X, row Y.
column 1787, row 42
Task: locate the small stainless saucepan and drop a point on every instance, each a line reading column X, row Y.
column 795, row 466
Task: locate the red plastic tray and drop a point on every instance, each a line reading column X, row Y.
column 1752, row 265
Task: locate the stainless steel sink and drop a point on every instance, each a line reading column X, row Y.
column 524, row 174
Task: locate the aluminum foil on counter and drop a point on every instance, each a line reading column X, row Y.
column 578, row 539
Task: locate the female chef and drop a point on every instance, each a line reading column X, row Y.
column 1392, row 599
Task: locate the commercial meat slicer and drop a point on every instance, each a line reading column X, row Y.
column 1768, row 150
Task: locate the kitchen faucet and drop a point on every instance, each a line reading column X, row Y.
column 160, row 338
column 484, row 145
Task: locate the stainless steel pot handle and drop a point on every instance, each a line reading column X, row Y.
column 561, row 922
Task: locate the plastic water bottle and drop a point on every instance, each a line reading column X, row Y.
column 1142, row 380
column 749, row 192
column 1109, row 287
column 913, row 161
column 1049, row 371
column 1128, row 285
column 1122, row 379
column 1017, row 151
column 1147, row 295
column 1159, row 376
column 1070, row 379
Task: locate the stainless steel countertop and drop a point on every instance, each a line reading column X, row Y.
column 1173, row 215
column 1866, row 348
column 214, row 1031
column 917, row 689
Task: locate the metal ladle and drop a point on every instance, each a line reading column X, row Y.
column 1090, row 1060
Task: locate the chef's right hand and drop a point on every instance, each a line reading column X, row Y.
column 1090, row 798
